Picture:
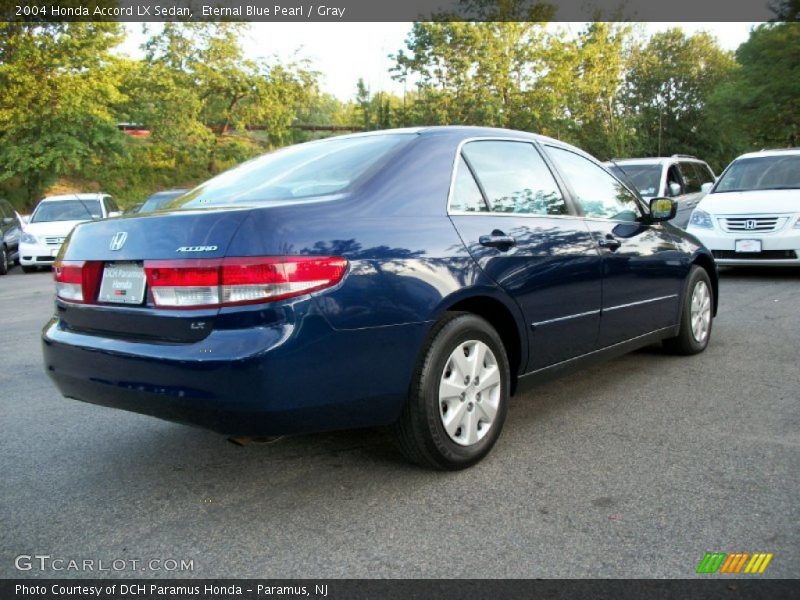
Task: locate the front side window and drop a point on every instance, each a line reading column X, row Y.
column 597, row 192
column 467, row 195
column 761, row 173
column 67, row 210
column 111, row 205
column 302, row 171
column 515, row 178
column 674, row 177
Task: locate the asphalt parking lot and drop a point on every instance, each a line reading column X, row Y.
column 635, row 468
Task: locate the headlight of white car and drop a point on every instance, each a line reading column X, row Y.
column 701, row 218
column 27, row 238
column 797, row 223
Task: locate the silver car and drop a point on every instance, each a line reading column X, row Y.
column 680, row 176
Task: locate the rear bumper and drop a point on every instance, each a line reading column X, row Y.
column 282, row 378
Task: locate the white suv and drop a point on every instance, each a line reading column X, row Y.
column 52, row 221
column 752, row 215
column 680, row 176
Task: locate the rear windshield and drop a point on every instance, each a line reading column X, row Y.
column 646, row 178
column 301, row 171
column 67, row 210
column 158, row 200
column 761, row 173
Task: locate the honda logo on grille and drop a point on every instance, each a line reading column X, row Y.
column 118, row 241
column 750, row 224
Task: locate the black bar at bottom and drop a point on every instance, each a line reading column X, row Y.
column 400, row 589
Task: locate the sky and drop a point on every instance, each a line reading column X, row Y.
column 343, row 52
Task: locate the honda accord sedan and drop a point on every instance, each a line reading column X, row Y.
column 415, row 278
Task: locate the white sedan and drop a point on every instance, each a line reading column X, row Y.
column 752, row 214
column 53, row 220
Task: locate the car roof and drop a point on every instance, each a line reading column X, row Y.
column 772, row 152
column 455, row 131
column 654, row 160
column 83, row 196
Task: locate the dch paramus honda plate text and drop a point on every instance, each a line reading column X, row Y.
column 407, row 277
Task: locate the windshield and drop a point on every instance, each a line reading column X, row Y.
column 761, row 173
column 158, row 200
column 646, row 178
column 301, row 171
column 67, row 210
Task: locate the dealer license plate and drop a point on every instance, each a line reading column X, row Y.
column 123, row 283
column 748, row 246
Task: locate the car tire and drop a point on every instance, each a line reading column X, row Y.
column 27, row 269
column 452, row 420
column 697, row 315
column 4, row 266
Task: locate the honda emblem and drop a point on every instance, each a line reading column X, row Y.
column 118, row 241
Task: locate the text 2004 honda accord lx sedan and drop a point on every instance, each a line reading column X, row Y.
column 407, row 277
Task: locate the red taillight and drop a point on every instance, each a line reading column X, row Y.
column 233, row 281
column 77, row 281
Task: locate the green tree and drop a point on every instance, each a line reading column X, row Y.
column 669, row 82
column 764, row 92
column 470, row 73
column 58, row 90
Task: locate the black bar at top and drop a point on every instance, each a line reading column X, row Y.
column 396, row 10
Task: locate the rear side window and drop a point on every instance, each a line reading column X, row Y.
column 467, row 195
column 691, row 178
column 301, row 171
column 515, row 178
column 598, row 193
column 705, row 173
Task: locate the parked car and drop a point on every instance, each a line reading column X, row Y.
column 159, row 199
column 9, row 236
column 681, row 176
column 412, row 277
column 53, row 220
column 752, row 215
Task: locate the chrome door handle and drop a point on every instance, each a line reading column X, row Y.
column 497, row 241
column 609, row 243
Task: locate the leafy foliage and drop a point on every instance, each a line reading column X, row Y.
column 63, row 92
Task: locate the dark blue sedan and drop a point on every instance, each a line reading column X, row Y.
column 416, row 278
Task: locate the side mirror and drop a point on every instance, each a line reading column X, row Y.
column 8, row 220
column 674, row 188
column 706, row 187
column 662, row 209
column 114, row 213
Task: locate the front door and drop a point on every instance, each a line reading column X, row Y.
column 642, row 269
column 517, row 225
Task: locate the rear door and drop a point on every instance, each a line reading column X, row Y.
column 517, row 224
column 642, row 265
